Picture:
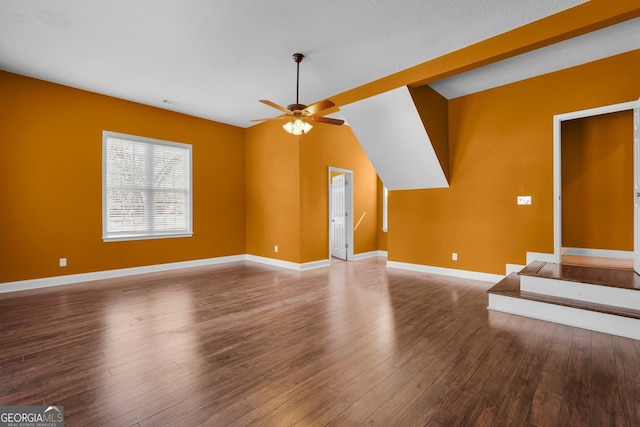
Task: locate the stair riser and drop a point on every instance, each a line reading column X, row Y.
column 606, row 295
column 595, row 321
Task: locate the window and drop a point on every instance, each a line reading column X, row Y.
column 146, row 188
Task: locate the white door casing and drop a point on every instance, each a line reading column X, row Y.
column 557, row 172
column 636, row 188
column 348, row 211
column 338, row 218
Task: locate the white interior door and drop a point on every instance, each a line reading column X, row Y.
column 338, row 218
column 636, row 188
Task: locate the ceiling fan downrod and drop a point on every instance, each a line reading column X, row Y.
column 297, row 106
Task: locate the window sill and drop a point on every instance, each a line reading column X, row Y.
column 127, row 238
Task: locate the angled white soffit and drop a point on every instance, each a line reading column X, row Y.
column 389, row 129
column 609, row 41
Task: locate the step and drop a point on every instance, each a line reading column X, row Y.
column 618, row 288
column 507, row 296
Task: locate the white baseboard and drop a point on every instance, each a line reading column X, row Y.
column 288, row 264
column 464, row 274
column 372, row 254
column 513, row 268
column 599, row 253
column 24, row 285
column 540, row 256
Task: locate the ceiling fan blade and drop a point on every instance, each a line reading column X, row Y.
column 274, row 105
column 327, row 120
column 314, row 109
column 284, row 116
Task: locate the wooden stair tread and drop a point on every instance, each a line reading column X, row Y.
column 532, row 268
column 623, row 279
column 510, row 286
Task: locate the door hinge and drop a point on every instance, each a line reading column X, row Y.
column 346, row 246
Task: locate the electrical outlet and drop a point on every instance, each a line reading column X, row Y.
column 63, row 262
column 454, row 256
column 275, row 248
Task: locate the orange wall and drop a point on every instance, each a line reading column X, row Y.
column 597, row 182
column 501, row 146
column 288, row 191
column 273, row 192
column 434, row 113
column 51, row 157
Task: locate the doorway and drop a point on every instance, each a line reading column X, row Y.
column 340, row 213
column 557, row 139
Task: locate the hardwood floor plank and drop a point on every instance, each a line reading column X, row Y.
column 576, row 398
column 606, row 406
column 519, row 399
column 627, row 368
column 350, row 344
column 547, row 399
column 495, row 385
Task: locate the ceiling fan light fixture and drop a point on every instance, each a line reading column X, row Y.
column 298, row 114
column 297, row 127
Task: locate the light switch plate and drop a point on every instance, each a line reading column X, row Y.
column 524, row 200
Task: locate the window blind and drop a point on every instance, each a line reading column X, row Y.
column 146, row 188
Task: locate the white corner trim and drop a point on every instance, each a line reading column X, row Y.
column 600, row 253
column 540, row 256
column 24, row 285
column 372, row 254
column 513, row 268
column 464, row 274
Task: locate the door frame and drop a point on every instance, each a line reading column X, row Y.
column 557, row 171
column 348, row 195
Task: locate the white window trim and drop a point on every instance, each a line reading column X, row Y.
column 144, row 236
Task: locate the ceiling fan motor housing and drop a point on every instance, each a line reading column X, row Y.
column 294, row 107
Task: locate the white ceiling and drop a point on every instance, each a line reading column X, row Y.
column 215, row 59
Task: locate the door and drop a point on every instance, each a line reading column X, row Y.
column 636, row 185
column 338, row 218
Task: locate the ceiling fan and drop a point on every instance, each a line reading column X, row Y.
column 300, row 115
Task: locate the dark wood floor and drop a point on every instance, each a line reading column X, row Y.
column 354, row 343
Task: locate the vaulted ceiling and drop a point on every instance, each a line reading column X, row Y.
column 215, row 59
